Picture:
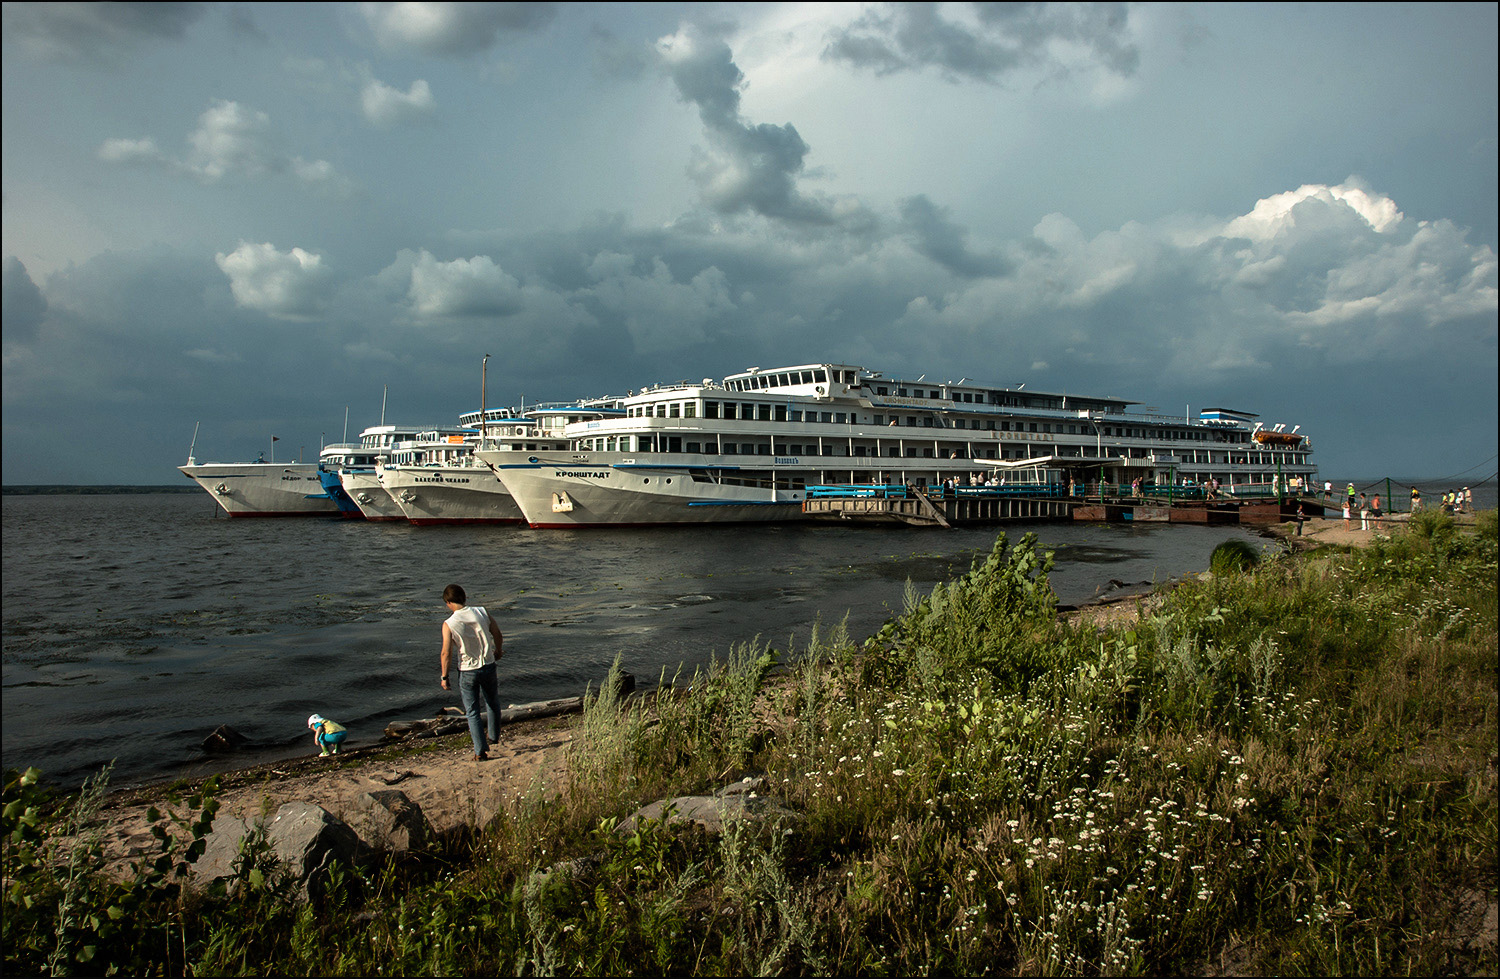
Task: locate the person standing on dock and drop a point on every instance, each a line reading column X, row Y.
column 480, row 645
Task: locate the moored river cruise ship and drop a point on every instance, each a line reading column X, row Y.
column 263, row 489
column 436, row 478
column 749, row 447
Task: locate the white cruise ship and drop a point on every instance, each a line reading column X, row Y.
column 748, row 448
column 358, row 474
column 263, row 489
column 436, row 478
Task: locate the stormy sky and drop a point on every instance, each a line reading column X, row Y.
column 250, row 218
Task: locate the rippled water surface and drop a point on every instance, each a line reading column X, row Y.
column 136, row 624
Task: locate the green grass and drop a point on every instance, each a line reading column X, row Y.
column 1285, row 769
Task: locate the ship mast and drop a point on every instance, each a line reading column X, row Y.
column 484, row 427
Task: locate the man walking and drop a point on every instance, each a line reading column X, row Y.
column 479, row 645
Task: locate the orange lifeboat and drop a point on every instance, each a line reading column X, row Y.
column 1277, row 438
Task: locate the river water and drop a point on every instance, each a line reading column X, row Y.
column 134, row 625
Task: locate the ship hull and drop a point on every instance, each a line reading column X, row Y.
column 363, row 487
column 430, row 495
column 264, row 489
column 573, row 495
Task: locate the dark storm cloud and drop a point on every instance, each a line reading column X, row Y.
column 747, row 167
column 617, row 58
column 933, row 233
column 23, row 307
column 1007, row 36
column 95, row 32
column 1315, row 284
column 1101, row 28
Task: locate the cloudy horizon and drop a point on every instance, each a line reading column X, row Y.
column 245, row 220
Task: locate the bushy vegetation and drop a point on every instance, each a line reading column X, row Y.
column 1233, row 556
column 1285, row 769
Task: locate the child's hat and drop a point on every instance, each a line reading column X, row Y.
column 314, row 720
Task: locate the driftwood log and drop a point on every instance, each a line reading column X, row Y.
column 434, row 727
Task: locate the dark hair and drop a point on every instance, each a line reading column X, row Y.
column 455, row 594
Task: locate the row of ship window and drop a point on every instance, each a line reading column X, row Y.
column 673, row 444
column 730, row 410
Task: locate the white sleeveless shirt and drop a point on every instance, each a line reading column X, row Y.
column 471, row 633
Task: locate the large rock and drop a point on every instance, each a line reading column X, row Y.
column 306, row 839
column 224, row 739
column 387, row 820
column 742, row 800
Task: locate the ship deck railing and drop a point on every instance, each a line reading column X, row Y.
column 883, row 491
column 1152, row 493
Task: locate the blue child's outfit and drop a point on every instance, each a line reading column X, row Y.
column 327, row 734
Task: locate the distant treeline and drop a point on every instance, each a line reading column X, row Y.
column 55, row 490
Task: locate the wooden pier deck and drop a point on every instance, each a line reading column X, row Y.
column 916, row 507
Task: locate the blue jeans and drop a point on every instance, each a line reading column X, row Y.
column 472, row 685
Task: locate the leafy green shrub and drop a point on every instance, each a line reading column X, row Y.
column 1000, row 618
column 64, row 912
column 1233, row 557
column 1431, row 524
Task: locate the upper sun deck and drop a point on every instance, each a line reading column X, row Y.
column 849, row 381
column 381, row 436
column 547, row 414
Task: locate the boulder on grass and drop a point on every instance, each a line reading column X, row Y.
column 306, row 840
column 386, row 820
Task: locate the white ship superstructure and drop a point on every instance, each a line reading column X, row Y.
column 747, row 448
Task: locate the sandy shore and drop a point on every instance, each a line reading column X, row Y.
column 438, row 774
column 1333, row 530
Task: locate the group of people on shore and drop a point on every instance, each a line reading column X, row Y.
column 474, row 641
column 1454, row 501
column 1368, row 508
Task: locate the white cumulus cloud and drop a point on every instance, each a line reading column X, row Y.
column 1331, row 269
column 453, row 29
column 129, row 151
column 292, row 284
column 387, row 106
column 1278, row 213
column 463, row 287
column 232, row 140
